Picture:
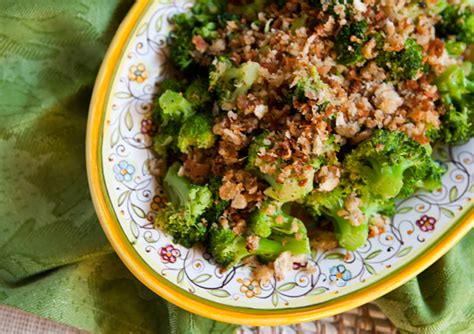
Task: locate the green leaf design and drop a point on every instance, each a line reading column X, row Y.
column 369, row 268
column 287, row 286
column 373, row 254
column 180, row 276
column 471, row 188
column 128, row 120
column 202, row 278
column 453, row 193
column 335, row 256
column 404, row 251
column 138, row 211
column 221, row 293
column 404, row 210
column 114, row 137
column 123, row 196
column 318, row 291
column 134, row 229
column 141, row 30
column 275, row 299
column 447, row 212
column 159, row 23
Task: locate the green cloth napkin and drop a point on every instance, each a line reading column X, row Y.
column 54, row 258
column 440, row 299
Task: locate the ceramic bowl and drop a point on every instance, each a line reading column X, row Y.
column 119, row 155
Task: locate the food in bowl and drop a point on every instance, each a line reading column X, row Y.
column 297, row 125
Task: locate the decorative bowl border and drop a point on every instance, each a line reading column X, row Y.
column 283, row 302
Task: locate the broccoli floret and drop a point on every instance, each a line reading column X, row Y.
column 182, row 218
column 455, row 48
column 308, row 86
column 388, row 162
column 196, row 131
column 457, row 92
column 216, row 210
column 165, row 138
column 404, row 64
column 271, row 218
column 202, row 21
column 197, row 93
column 293, row 187
column 456, row 125
column 453, row 83
column 228, row 248
column 351, row 228
column 171, row 84
column 230, row 82
column 174, row 107
column 457, row 21
column 349, row 43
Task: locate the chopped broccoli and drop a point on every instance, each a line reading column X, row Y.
column 230, row 82
column 165, row 138
column 455, row 48
column 454, row 84
column 174, row 107
column 351, row 233
column 349, row 43
column 218, row 207
column 389, row 162
column 270, row 218
column 308, row 86
column 196, row 131
column 404, row 64
column 197, row 93
column 202, row 21
column 294, row 187
column 171, row 84
column 457, row 92
column 182, row 218
column 457, row 21
column 228, row 248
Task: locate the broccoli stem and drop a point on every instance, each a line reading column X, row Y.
column 176, row 187
column 386, row 181
column 349, row 236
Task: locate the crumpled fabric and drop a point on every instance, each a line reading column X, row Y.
column 54, row 258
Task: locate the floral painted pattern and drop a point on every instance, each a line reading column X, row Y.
column 250, row 288
column 169, row 254
column 298, row 265
column 426, row 223
column 148, row 127
column 124, row 171
column 137, row 73
column 339, row 275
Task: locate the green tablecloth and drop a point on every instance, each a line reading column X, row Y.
column 54, row 258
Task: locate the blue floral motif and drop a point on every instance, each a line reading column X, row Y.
column 124, row 171
column 340, row 275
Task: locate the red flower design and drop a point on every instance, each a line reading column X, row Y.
column 426, row 223
column 297, row 265
column 169, row 254
column 147, row 127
